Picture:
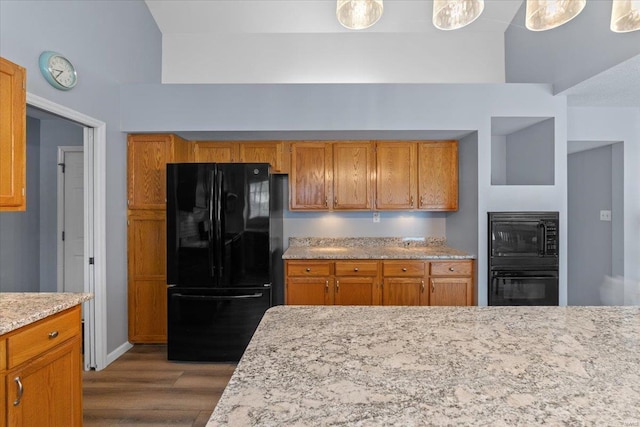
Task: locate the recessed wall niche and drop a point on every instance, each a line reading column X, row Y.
column 522, row 151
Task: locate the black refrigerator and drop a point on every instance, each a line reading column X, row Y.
column 224, row 257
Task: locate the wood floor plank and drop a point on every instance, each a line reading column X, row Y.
column 142, row 388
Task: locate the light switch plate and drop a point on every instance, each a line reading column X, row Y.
column 376, row 217
column 605, row 215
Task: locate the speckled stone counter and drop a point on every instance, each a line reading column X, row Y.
column 18, row 309
column 372, row 248
column 414, row 366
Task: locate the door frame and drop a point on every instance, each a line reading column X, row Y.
column 95, row 147
column 62, row 150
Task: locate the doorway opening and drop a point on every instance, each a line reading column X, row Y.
column 90, row 258
column 595, row 220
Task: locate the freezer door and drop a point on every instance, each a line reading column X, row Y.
column 190, row 226
column 213, row 325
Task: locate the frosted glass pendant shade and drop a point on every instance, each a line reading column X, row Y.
column 625, row 16
column 453, row 14
column 358, row 14
column 547, row 14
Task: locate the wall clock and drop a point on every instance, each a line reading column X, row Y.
column 58, row 70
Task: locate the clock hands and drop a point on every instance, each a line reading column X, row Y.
column 59, row 71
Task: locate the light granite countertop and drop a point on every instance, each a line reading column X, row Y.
column 18, row 309
column 372, row 248
column 414, row 366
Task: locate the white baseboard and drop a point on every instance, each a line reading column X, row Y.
column 115, row 354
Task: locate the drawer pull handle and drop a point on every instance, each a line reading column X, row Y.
column 422, row 287
column 433, row 286
column 337, row 286
column 53, row 335
column 308, row 269
column 20, row 391
column 411, row 201
column 451, row 269
column 404, row 269
column 355, row 269
column 326, row 286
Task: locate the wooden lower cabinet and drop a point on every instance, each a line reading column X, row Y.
column 43, row 381
column 357, row 283
column 404, row 283
column 451, row 283
column 372, row 282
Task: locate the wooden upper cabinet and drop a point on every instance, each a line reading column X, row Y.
column 264, row 152
column 13, row 142
column 395, row 175
column 215, row 152
column 310, row 178
column 148, row 156
column 352, row 175
column 438, row 175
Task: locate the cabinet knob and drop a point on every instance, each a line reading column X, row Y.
column 355, row 269
column 451, row 269
column 53, row 335
column 404, row 269
column 308, row 269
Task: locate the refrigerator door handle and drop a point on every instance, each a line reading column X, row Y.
column 212, row 204
column 215, row 297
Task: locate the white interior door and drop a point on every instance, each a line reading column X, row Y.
column 71, row 199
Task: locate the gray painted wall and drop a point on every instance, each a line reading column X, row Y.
column 20, row 231
column 617, row 209
column 53, row 133
column 529, row 155
column 570, row 53
column 591, row 189
column 110, row 43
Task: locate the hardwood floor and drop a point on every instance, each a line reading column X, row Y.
column 142, row 388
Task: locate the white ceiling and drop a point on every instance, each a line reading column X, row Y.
column 230, row 20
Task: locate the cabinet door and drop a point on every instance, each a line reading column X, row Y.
column 147, row 277
column 451, row 291
column 263, row 152
column 404, row 291
column 395, row 175
column 215, row 152
column 351, row 290
column 13, row 143
column 310, row 176
column 309, row 291
column 352, row 175
column 51, row 389
column 148, row 156
column 438, row 175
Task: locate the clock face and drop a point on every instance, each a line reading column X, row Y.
column 62, row 71
column 58, row 70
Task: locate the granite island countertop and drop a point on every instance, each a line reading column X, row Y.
column 18, row 309
column 409, row 366
column 425, row 248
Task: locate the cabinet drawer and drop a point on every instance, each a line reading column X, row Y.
column 356, row 268
column 403, row 268
column 308, row 268
column 451, row 268
column 42, row 336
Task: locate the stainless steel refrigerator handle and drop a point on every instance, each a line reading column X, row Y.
column 216, row 297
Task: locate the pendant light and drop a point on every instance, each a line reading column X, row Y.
column 358, row 14
column 625, row 16
column 454, row 14
column 547, row 14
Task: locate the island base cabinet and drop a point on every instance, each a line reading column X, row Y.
column 48, row 390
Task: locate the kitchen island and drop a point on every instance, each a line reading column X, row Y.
column 438, row 366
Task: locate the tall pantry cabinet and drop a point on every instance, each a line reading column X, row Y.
column 147, row 157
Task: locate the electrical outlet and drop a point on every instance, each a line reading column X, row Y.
column 376, row 217
column 605, row 215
